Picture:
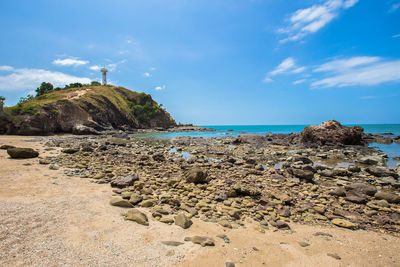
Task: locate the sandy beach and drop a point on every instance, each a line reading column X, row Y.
column 50, row 219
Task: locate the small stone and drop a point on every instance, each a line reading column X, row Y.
column 260, row 229
column 229, row 264
column 225, row 223
column 167, row 220
column 183, row 221
column 147, row 203
column 334, row 255
column 135, row 199
column 303, row 244
column 172, row 243
column 137, row 216
column 120, row 202
column 202, row 240
column 344, row 223
column 122, row 182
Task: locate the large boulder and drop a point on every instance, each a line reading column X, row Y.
column 331, row 133
column 22, row 153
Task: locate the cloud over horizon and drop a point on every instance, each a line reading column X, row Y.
column 29, row 79
column 70, row 62
column 310, row 20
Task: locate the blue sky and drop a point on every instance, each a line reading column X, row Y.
column 215, row 62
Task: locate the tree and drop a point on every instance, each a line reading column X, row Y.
column 94, row 83
column 44, row 89
column 2, row 99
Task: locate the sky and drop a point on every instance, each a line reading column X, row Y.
column 215, row 62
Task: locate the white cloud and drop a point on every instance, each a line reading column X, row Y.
column 152, row 69
column 159, row 88
column 396, row 36
column 362, row 74
column 146, row 74
column 268, row 80
column 283, row 67
column 394, row 7
column 310, row 20
column 6, row 68
column 95, row 68
column 299, row 81
column 70, row 62
column 25, row 79
column 344, row 64
column 287, row 66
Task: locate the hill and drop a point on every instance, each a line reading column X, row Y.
column 84, row 110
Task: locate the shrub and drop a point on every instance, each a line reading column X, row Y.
column 55, row 111
column 44, row 88
column 2, row 100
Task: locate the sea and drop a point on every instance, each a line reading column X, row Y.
column 392, row 150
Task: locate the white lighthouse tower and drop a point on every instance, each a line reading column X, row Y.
column 104, row 71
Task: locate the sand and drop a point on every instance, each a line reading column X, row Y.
column 50, row 219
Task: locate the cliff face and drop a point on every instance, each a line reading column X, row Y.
column 98, row 107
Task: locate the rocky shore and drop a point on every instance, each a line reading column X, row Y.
column 274, row 180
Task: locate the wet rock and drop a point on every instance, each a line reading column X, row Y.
column 196, row 176
column 125, row 181
column 331, row 133
column 344, row 223
column 389, row 197
column 183, row 221
column 202, row 240
column 22, row 153
column 120, row 202
column 137, row 216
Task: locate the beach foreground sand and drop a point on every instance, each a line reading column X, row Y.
column 49, row 219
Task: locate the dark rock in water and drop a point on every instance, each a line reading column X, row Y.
column 125, row 181
column 196, row 176
column 389, row 197
column 331, row 133
column 22, row 153
column 84, row 130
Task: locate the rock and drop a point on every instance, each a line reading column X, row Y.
column 70, row 150
column 362, row 188
column 251, row 139
column 344, row 223
column 196, row 175
column 389, row 197
column 122, row 182
column 225, row 223
column 280, row 225
column 202, row 240
column 167, row 220
column 172, row 243
column 334, row 255
column 246, row 190
column 303, row 244
column 381, row 171
column 22, row 153
column 183, row 221
column 147, row 203
column 229, row 264
column 158, row 157
column 356, row 197
column 84, row 130
column 339, row 192
column 371, row 160
column 135, row 198
column 120, row 202
column 331, row 133
column 302, row 174
column 137, row 216
column 322, row 234
column 260, row 229
column 5, row 147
